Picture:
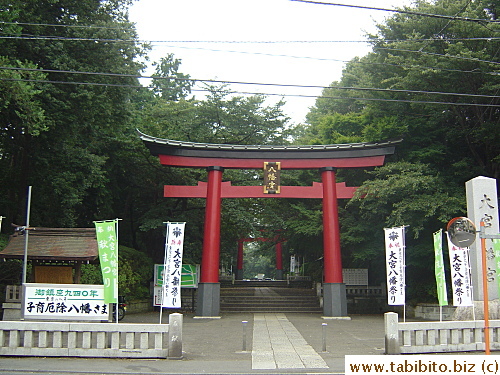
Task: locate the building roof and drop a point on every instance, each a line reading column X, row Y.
column 160, row 146
column 54, row 244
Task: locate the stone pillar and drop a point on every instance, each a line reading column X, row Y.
column 391, row 333
column 175, row 322
column 279, row 261
column 334, row 301
column 239, row 261
column 482, row 205
column 209, row 286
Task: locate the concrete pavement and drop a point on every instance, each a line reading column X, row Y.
column 290, row 343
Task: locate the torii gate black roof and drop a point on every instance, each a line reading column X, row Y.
column 160, row 146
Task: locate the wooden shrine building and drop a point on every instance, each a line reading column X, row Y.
column 56, row 254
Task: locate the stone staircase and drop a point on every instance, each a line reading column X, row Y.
column 268, row 296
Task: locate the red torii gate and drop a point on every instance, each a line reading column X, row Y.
column 216, row 157
column 279, row 255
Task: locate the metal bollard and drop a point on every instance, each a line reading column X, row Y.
column 324, row 336
column 244, row 322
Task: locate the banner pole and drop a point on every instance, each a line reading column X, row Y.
column 471, row 288
column 26, row 234
column 164, row 282
column 117, row 271
column 485, row 293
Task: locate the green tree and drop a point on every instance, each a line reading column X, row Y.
column 169, row 83
column 76, row 115
column 392, row 92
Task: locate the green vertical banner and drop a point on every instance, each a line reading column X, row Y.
column 439, row 268
column 496, row 250
column 107, row 244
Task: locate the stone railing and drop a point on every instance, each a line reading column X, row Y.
column 437, row 337
column 65, row 339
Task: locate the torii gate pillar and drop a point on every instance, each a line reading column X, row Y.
column 279, row 261
column 334, row 292
column 279, row 256
column 239, row 261
column 209, row 286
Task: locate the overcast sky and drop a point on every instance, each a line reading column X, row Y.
column 199, row 31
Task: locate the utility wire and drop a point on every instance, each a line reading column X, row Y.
column 194, row 80
column 270, row 54
column 265, row 94
column 281, row 55
column 319, row 58
column 328, row 59
column 439, row 55
column 109, row 40
column 454, row 18
column 66, row 25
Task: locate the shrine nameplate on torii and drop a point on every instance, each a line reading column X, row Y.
column 217, row 157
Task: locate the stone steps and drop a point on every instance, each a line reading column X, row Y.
column 268, row 299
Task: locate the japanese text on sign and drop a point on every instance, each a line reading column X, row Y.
column 108, row 257
column 272, row 177
column 64, row 302
column 460, row 275
column 174, row 245
column 395, row 265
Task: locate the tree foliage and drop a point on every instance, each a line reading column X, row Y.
column 70, row 104
column 416, row 62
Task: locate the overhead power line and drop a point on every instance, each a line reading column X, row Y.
column 275, row 94
column 439, row 55
column 121, row 40
column 66, row 25
column 282, row 95
column 194, row 80
column 454, row 18
column 300, row 57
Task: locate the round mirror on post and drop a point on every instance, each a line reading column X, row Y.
column 462, row 231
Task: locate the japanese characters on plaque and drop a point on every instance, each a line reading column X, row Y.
column 395, row 265
column 272, row 178
column 482, row 206
column 174, row 247
column 460, row 275
column 64, row 302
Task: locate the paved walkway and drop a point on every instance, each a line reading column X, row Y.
column 278, row 344
column 274, row 344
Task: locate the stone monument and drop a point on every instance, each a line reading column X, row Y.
column 482, row 205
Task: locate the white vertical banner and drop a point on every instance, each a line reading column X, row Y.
column 395, row 265
column 460, row 274
column 174, row 246
column 292, row 264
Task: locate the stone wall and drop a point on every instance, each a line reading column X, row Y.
column 431, row 311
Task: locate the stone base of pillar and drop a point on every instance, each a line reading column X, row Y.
column 334, row 299
column 279, row 274
column 238, row 275
column 208, row 303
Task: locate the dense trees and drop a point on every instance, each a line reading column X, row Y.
column 417, row 62
column 70, row 104
column 60, row 127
